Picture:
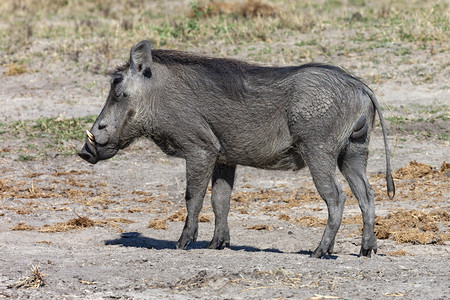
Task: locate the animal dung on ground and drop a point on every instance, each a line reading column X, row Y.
column 416, row 227
column 418, row 170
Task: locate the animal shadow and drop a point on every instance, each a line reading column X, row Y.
column 137, row 240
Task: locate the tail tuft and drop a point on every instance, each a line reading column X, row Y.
column 390, row 186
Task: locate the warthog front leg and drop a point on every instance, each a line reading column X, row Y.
column 199, row 168
column 222, row 185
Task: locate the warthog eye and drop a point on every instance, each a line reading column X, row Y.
column 117, row 78
column 147, row 73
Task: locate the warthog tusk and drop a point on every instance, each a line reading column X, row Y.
column 90, row 136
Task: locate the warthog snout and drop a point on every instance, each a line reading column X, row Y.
column 89, row 152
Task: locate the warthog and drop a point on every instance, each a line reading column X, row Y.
column 218, row 113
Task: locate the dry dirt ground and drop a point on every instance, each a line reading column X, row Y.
column 108, row 231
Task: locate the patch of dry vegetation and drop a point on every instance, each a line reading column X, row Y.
column 260, row 227
column 179, row 216
column 59, row 173
column 94, row 33
column 159, row 224
column 284, row 217
column 414, row 227
column 419, row 170
column 417, row 181
column 22, row 227
column 76, row 223
column 23, row 190
column 249, row 8
column 310, row 221
column 397, row 253
column 33, row 281
column 13, row 69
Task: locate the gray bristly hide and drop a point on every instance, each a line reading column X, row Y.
column 220, row 113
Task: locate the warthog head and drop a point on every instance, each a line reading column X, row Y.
column 127, row 110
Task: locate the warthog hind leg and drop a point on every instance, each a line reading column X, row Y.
column 322, row 166
column 222, row 185
column 353, row 166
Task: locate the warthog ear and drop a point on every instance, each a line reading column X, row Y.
column 141, row 58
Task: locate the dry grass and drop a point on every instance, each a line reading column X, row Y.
column 142, row 193
column 415, row 182
column 45, row 242
column 119, row 220
column 260, row 227
column 160, row 224
column 310, row 221
column 77, row 223
column 146, row 200
column 13, row 69
column 204, row 218
column 397, row 253
column 419, row 170
column 179, row 216
column 24, row 190
column 249, row 8
column 416, row 227
column 93, row 34
column 81, row 223
column 22, row 227
column 32, row 281
column 70, row 172
column 284, row 217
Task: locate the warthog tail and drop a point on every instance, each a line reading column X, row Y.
column 389, row 179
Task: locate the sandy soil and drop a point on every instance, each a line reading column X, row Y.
column 87, row 227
